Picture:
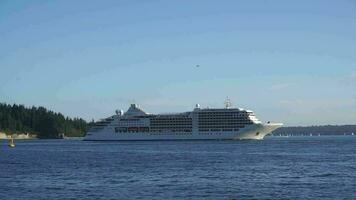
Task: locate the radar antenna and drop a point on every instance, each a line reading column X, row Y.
column 227, row 103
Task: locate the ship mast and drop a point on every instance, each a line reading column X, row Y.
column 227, row 103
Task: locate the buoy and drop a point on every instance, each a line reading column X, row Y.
column 11, row 143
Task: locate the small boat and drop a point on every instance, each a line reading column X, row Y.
column 11, row 143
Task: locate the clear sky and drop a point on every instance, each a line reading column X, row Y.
column 289, row 61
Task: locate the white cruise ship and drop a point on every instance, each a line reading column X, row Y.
column 200, row 124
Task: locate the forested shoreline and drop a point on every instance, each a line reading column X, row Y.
column 17, row 119
column 316, row 130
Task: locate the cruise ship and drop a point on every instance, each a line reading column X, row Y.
column 226, row 123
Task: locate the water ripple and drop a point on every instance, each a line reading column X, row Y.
column 287, row 168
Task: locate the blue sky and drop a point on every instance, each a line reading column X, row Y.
column 289, row 61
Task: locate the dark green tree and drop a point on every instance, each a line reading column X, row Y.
column 38, row 120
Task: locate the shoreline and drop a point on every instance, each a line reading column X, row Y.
column 22, row 136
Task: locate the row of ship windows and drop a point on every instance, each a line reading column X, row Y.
column 218, row 130
column 222, row 125
column 164, row 133
column 153, row 127
column 225, row 126
column 146, row 129
column 172, row 130
column 220, row 114
column 210, row 123
column 169, row 123
column 170, row 118
column 168, row 133
column 202, row 119
column 230, row 124
column 131, row 119
column 159, row 132
column 134, row 129
column 211, row 133
column 205, row 121
column 200, row 123
column 224, row 122
column 218, row 117
column 174, row 119
column 223, row 117
column 170, row 126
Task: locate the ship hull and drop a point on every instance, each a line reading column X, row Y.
column 254, row 131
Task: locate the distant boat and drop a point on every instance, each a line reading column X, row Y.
column 11, row 142
column 352, row 133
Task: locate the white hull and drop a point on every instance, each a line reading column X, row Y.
column 254, row 131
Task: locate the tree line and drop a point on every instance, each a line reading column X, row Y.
column 315, row 130
column 40, row 121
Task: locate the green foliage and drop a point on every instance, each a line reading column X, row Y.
column 40, row 121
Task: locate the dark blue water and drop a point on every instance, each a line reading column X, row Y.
column 275, row 168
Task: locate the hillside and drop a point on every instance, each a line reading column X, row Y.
column 315, row 130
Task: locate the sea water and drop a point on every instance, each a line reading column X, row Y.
column 275, row 168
